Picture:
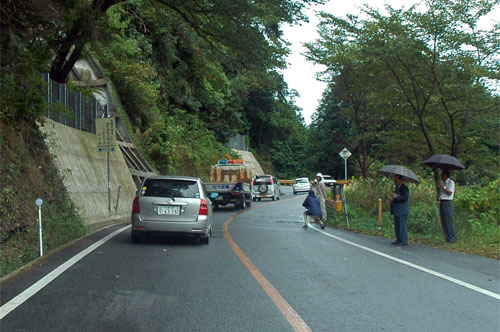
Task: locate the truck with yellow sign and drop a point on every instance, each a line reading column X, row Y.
column 230, row 183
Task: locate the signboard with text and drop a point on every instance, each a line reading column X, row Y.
column 106, row 134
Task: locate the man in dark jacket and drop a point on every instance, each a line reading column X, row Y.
column 400, row 209
column 313, row 209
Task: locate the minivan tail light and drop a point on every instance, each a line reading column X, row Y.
column 203, row 208
column 135, row 205
column 272, row 181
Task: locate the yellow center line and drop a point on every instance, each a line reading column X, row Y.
column 293, row 318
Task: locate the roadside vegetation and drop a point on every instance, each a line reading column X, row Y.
column 476, row 215
column 402, row 87
column 28, row 172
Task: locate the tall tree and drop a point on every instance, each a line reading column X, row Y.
column 433, row 63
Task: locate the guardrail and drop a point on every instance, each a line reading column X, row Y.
column 286, row 182
column 290, row 182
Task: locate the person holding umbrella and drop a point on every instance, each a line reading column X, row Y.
column 446, row 194
column 400, row 209
column 445, row 191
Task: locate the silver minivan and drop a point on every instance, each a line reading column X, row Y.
column 265, row 186
column 172, row 205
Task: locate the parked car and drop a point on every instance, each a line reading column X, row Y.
column 301, row 185
column 265, row 186
column 172, row 205
column 329, row 181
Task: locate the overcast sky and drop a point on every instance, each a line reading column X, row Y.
column 300, row 74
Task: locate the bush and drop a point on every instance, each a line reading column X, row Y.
column 476, row 214
column 180, row 144
column 28, row 172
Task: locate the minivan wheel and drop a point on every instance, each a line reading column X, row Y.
column 204, row 240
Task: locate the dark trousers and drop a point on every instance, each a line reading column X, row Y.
column 447, row 222
column 401, row 229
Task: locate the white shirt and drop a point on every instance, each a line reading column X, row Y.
column 449, row 185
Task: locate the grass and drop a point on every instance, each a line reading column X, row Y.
column 28, row 172
column 476, row 216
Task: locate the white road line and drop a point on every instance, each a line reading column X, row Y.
column 33, row 289
column 418, row 267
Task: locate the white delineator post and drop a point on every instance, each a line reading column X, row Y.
column 39, row 203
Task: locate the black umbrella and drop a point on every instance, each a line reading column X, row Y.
column 444, row 161
column 391, row 170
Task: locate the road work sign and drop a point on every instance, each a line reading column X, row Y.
column 106, row 134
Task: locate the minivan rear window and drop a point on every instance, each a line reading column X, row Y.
column 170, row 188
column 263, row 179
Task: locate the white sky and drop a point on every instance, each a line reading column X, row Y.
column 300, row 74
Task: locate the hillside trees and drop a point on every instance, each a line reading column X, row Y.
column 224, row 73
column 193, row 64
column 422, row 74
column 322, row 145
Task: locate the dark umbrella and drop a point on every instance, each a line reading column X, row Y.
column 444, row 161
column 391, row 170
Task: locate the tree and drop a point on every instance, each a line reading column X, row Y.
column 432, row 66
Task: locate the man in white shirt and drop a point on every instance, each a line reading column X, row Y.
column 446, row 194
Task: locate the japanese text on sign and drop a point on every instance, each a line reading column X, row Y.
column 106, row 134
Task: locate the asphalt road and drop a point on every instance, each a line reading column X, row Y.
column 260, row 272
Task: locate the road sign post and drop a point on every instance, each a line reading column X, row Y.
column 106, row 142
column 345, row 154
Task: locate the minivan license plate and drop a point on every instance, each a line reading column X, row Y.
column 168, row 209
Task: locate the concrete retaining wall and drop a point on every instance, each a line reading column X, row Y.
column 85, row 173
column 250, row 160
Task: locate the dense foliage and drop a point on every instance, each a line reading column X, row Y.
column 412, row 83
column 403, row 86
column 176, row 73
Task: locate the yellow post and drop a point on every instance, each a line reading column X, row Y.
column 338, row 205
column 379, row 213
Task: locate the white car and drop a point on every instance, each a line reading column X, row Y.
column 329, row 181
column 301, row 185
